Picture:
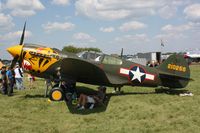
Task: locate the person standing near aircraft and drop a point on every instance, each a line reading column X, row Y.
column 31, row 79
column 4, row 80
column 0, row 78
column 19, row 77
column 49, row 85
column 11, row 80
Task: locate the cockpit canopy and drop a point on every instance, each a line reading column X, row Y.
column 111, row 60
column 90, row 55
column 100, row 57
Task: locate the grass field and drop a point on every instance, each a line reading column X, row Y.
column 139, row 111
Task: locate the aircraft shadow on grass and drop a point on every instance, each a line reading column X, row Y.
column 34, row 96
column 102, row 107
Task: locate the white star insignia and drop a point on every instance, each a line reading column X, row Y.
column 137, row 74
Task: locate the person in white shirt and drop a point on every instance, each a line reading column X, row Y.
column 19, row 77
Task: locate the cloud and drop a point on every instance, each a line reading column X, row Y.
column 133, row 25
column 116, row 9
column 14, row 35
column 1, row 5
column 83, row 37
column 6, row 22
column 107, row 29
column 179, row 2
column 175, row 31
column 54, row 26
column 170, row 36
column 24, row 8
column 22, row 13
column 121, row 9
column 60, row 2
column 192, row 12
column 137, row 38
column 195, row 26
column 167, row 12
column 177, row 28
column 27, row 4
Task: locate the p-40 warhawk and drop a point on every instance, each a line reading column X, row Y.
column 106, row 70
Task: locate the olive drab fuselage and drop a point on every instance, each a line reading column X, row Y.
column 107, row 70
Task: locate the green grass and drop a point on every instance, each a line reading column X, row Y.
column 142, row 111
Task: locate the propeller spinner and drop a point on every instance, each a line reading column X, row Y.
column 16, row 51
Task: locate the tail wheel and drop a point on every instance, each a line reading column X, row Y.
column 56, row 94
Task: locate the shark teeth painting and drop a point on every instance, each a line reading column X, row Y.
column 26, row 65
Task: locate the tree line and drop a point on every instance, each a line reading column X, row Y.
column 73, row 49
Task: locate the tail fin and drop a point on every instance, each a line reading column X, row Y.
column 174, row 72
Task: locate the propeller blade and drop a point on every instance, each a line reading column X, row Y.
column 23, row 33
column 122, row 52
column 21, row 43
column 14, row 61
column 20, row 61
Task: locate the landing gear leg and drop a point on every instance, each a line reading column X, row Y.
column 46, row 91
column 117, row 90
column 57, row 93
column 48, row 86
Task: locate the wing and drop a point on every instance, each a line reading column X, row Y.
column 83, row 71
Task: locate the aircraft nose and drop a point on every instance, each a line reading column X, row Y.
column 15, row 50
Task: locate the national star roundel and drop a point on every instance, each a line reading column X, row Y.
column 137, row 74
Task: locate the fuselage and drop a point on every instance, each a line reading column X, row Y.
column 43, row 61
column 105, row 70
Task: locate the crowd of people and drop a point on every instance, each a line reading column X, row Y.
column 11, row 78
column 152, row 64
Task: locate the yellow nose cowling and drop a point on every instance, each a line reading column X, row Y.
column 15, row 50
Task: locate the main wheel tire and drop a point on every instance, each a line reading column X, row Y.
column 56, row 94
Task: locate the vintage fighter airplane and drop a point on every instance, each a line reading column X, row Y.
column 105, row 70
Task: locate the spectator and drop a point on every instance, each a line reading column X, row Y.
column 11, row 80
column 31, row 79
column 156, row 64
column 84, row 99
column 48, row 85
column 151, row 64
column 4, row 80
column 148, row 64
column 19, row 77
column 0, row 80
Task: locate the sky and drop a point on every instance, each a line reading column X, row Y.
column 134, row 25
